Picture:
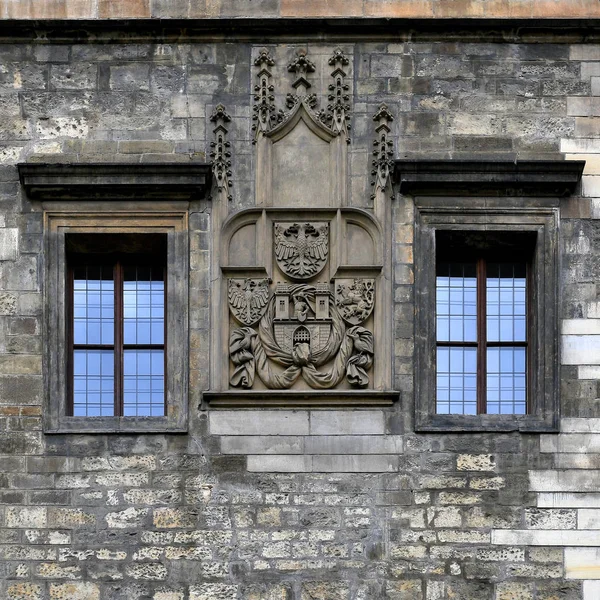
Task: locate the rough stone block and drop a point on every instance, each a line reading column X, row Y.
column 536, row 518
column 213, row 591
column 74, row 590
column 24, row 591
column 475, row 462
column 26, row 517
column 130, row 517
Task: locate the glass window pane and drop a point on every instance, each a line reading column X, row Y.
column 143, row 383
column 93, row 305
column 456, row 380
column 506, row 302
column 93, row 383
column 506, row 380
column 456, row 301
column 143, row 305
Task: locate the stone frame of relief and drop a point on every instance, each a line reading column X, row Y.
column 302, row 293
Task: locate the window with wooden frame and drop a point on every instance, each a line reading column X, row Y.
column 486, row 350
column 116, row 295
column 482, row 298
column 116, row 320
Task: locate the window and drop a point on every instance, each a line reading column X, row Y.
column 116, row 291
column 486, row 355
column 482, row 323
column 116, row 325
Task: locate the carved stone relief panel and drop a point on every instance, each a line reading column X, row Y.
column 304, row 294
column 300, row 326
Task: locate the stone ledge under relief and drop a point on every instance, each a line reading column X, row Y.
column 300, row 399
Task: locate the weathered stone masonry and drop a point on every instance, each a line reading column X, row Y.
column 305, row 504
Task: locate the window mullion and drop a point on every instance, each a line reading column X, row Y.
column 118, row 384
column 481, row 338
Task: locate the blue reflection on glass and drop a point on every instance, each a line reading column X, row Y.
column 143, row 383
column 506, row 380
column 93, row 383
column 506, row 302
column 456, row 391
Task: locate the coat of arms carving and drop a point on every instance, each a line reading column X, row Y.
column 355, row 299
column 301, row 249
column 248, row 299
column 300, row 328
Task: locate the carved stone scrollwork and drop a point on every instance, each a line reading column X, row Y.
column 220, row 154
column 383, row 151
column 301, row 249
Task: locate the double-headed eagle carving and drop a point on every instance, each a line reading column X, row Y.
column 301, row 248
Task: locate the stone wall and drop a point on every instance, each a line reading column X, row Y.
column 305, row 504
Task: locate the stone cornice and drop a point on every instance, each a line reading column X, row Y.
column 115, row 181
column 331, row 29
column 495, row 177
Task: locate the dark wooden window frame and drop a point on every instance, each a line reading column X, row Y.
column 118, row 347
column 481, row 344
column 105, row 218
column 498, row 215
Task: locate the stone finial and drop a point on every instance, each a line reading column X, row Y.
column 339, row 59
column 301, row 66
column 263, row 59
column 383, row 117
column 220, row 116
